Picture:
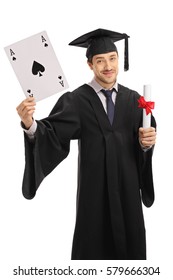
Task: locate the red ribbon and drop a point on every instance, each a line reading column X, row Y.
column 147, row 105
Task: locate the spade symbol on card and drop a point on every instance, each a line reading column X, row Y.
column 44, row 40
column 61, row 81
column 12, row 54
column 29, row 92
column 37, row 69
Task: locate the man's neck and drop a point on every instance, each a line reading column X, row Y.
column 105, row 85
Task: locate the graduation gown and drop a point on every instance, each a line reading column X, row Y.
column 114, row 174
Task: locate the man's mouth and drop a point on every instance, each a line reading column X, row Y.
column 108, row 73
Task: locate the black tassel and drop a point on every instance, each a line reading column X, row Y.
column 126, row 54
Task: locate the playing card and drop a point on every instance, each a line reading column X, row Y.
column 36, row 66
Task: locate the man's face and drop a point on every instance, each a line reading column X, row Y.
column 105, row 68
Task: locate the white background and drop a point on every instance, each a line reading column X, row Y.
column 39, row 232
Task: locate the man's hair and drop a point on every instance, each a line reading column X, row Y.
column 90, row 59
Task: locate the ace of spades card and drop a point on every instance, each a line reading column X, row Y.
column 36, row 66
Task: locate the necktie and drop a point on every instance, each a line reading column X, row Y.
column 110, row 104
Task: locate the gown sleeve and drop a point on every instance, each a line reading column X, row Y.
column 51, row 144
column 145, row 163
column 144, row 159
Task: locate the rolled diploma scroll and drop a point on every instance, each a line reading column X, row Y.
column 147, row 97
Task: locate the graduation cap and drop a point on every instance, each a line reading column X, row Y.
column 102, row 41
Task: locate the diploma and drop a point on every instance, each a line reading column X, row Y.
column 147, row 105
column 147, row 97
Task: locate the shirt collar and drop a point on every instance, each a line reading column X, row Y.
column 97, row 87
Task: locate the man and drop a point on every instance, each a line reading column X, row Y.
column 114, row 154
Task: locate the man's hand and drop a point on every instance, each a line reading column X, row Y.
column 26, row 110
column 147, row 136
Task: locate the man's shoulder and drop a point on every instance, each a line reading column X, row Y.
column 73, row 98
column 85, row 88
column 77, row 95
column 127, row 90
column 81, row 90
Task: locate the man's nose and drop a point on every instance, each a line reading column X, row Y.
column 108, row 65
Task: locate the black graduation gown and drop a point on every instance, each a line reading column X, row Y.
column 113, row 171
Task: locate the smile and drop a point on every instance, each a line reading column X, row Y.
column 108, row 73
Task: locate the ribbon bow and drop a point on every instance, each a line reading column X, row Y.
column 147, row 105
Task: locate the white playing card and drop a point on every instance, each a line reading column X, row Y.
column 36, row 66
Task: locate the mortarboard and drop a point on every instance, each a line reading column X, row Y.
column 102, row 41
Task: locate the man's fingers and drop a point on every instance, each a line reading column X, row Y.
column 148, row 143
column 23, row 109
column 25, row 106
column 26, row 102
column 27, row 113
column 26, row 110
column 147, row 136
column 147, row 132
